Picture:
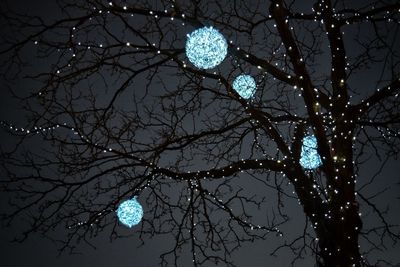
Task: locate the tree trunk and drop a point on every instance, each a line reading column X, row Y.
column 338, row 230
column 339, row 246
column 341, row 224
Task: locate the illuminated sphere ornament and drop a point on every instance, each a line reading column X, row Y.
column 206, row 48
column 245, row 86
column 309, row 157
column 130, row 212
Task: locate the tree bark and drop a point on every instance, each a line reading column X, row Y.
column 338, row 243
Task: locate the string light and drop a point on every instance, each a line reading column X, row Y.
column 130, row 212
column 245, row 86
column 309, row 157
column 206, row 48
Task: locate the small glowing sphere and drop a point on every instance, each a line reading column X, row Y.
column 130, row 212
column 309, row 157
column 206, row 48
column 245, row 86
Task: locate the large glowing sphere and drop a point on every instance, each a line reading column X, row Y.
column 130, row 212
column 206, row 48
column 309, row 157
column 245, row 86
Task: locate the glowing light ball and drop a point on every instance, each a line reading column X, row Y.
column 206, row 48
column 245, row 86
column 130, row 212
column 309, row 157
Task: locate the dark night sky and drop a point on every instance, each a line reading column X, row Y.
column 37, row 251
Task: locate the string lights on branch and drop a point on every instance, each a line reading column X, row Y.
column 271, row 120
column 206, row 48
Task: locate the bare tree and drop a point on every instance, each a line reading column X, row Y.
column 122, row 113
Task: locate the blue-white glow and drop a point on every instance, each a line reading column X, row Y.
column 245, row 86
column 309, row 157
column 130, row 212
column 206, row 48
